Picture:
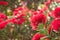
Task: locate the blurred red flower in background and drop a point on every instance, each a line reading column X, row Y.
column 3, row 16
column 3, row 24
column 48, row 2
column 3, row 3
column 3, row 21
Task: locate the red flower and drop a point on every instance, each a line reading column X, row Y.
column 56, row 12
column 18, row 19
column 37, row 19
column 55, row 26
column 3, row 16
column 14, row 20
column 20, row 10
column 19, row 14
column 38, row 36
column 48, row 2
column 21, row 21
column 15, row 12
column 3, row 3
column 3, row 24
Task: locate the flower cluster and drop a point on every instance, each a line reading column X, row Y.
column 37, row 19
column 18, row 17
column 54, row 25
column 34, row 19
column 3, row 21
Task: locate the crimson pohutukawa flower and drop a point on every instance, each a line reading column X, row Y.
column 56, row 12
column 38, row 36
column 19, row 16
column 3, row 24
column 3, row 21
column 55, row 26
column 19, row 19
column 3, row 16
column 37, row 19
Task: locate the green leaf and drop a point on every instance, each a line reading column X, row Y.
column 42, row 30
